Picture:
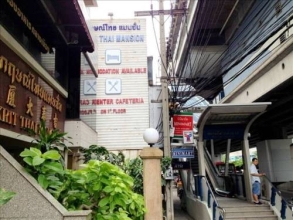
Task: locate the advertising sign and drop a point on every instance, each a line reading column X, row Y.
column 188, row 137
column 182, row 153
column 182, row 122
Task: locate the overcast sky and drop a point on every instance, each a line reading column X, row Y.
column 125, row 9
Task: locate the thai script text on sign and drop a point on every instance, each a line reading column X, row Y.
column 111, row 27
column 182, row 122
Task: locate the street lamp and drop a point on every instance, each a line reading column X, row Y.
column 151, row 136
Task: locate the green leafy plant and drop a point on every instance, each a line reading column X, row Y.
column 165, row 163
column 46, row 139
column 5, row 196
column 104, row 188
column 134, row 168
column 238, row 163
column 95, row 152
column 45, row 167
column 99, row 186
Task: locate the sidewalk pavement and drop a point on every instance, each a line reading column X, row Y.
column 179, row 214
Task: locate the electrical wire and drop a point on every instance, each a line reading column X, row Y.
column 251, row 44
column 274, row 23
column 200, row 42
column 253, row 50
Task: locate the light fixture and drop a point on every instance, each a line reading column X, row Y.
column 110, row 14
column 151, row 136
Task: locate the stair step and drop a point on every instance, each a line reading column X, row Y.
column 236, row 209
column 250, row 213
column 247, row 208
column 269, row 217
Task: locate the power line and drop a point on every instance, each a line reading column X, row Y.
column 276, row 24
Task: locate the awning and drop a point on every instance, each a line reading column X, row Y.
column 68, row 21
column 228, row 121
column 83, row 22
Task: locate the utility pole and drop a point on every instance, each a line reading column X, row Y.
column 165, row 97
column 165, row 103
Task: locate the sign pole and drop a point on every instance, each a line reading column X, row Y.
column 165, row 103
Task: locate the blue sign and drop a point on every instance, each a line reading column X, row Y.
column 183, row 153
column 222, row 132
column 121, row 38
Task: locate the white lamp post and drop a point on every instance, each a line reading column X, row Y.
column 151, row 136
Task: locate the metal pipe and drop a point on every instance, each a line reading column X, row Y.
column 90, row 64
column 227, row 157
column 231, row 12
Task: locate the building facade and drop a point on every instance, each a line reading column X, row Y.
column 116, row 104
column 39, row 67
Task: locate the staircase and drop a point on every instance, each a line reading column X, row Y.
column 236, row 209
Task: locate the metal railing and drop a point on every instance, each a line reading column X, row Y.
column 283, row 208
column 211, row 200
column 218, row 180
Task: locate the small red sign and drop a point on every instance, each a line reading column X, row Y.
column 182, row 123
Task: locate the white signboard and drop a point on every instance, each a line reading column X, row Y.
column 188, row 137
column 168, row 175
column 89, row 87
column 121, row 58
column 113, row 86
column 113, row 56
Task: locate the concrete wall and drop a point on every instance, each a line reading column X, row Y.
column 275, row 159
column 197, row 209
column 82, row 135
column 31, row 202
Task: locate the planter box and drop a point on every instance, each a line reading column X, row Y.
column 31, row 201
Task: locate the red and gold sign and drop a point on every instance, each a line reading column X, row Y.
column 25, row 98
